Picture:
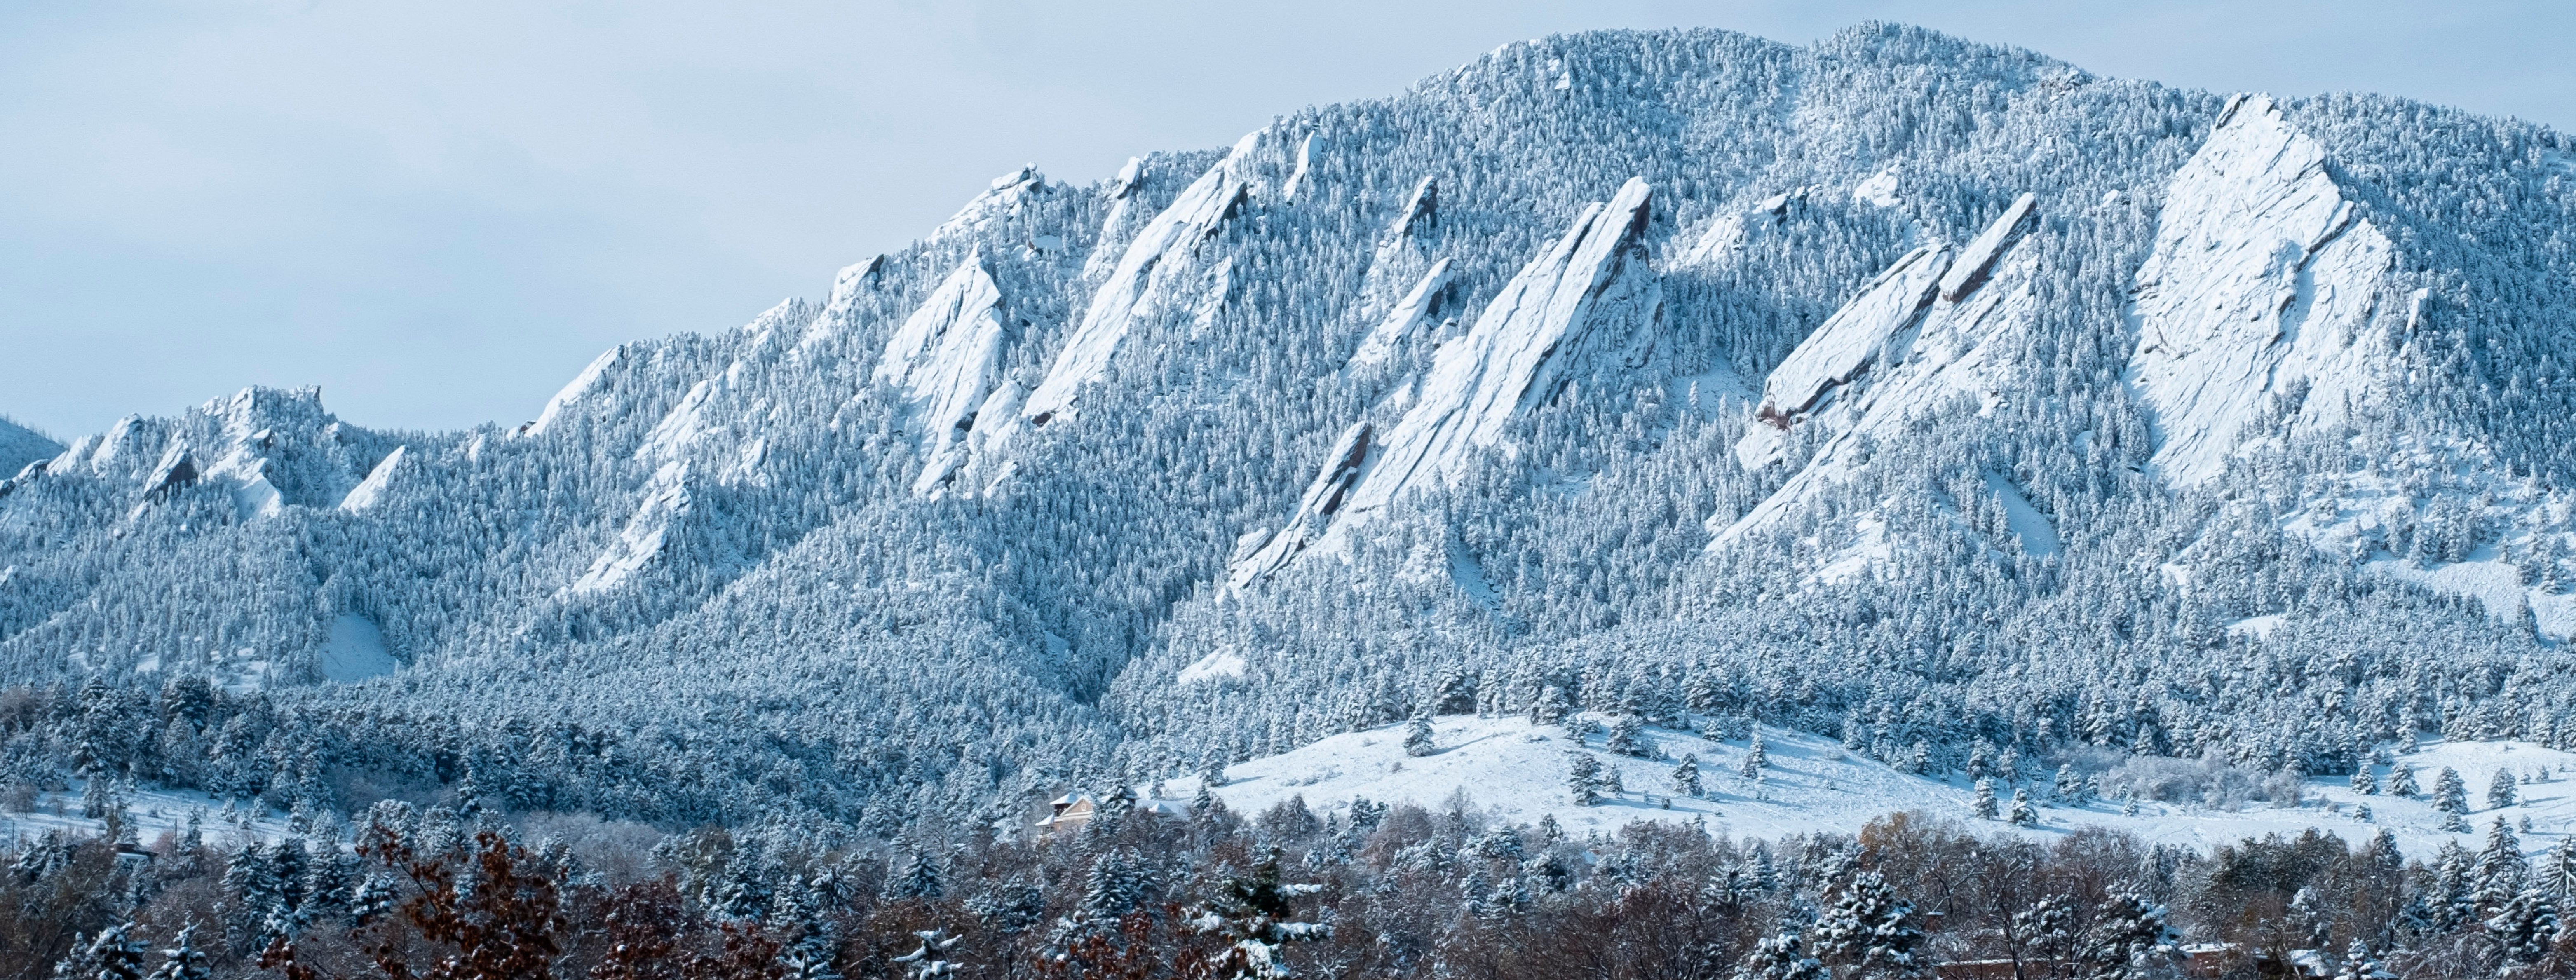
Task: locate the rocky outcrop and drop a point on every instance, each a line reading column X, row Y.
column 1936, row 325
column 1316, row 509
column 945, row 360
column 1158, row 255
column 1407, row 317
column 666, row 500
column 2263, row 283
column 1857, row 336
column 1009, row 195
column 371, row 491
column 177, row 469
column 1587, row 307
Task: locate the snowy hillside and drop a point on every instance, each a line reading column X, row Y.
column 20, row 446
column 1900, row 391
column 1518, row 772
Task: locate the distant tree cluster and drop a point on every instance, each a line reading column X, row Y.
column 1364, row 890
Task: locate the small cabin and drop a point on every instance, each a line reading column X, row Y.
column 1073, row 811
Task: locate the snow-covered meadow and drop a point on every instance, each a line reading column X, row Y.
column 1518, row 772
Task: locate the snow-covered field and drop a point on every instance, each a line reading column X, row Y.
column 153, row 811
column 1519, row 772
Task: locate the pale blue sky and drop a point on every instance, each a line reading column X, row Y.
column 439, row 211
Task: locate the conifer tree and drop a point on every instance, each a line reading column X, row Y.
column 1583, row 779
column 2023, row 814
column 1869, row 928
column 182, row 960
column 1686, row 776
column 2450, row 795
column 1417, row 735
column 2500, row 790
column 1985, row 806
column 2401, row 783
column 1627, row 737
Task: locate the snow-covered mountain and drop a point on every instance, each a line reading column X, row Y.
column 1898, row 389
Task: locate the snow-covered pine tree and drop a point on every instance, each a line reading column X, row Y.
column 1686, row 776
column 1985, row 806
column 2130, row 936
column 182, row 960
column 113, row 954
column 1779, row 957
column 2401, row 783
column 2454, row 885
column 2501, row 870
column 1417, row 736
column 1254, row 912
column 1627, row 737
column 2500, row 790
column 1869, row 929
column 1755, row 758
column 2556, row 874
column 917, row 877
column 1583, row 777
column 930, row 961
column 2363, row 782
column 2524, row 928
column 2022, row 814
column 2450, row 794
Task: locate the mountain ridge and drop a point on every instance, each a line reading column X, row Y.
column 920, row 549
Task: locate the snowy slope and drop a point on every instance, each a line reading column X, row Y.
column 1519, row 771
column 21, row 446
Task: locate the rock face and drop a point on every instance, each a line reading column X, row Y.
column 1590, row 304
column 1867, row 330
column 1154, row 259
column 666, row 500
column 2262, row 282
column 582, row 386
column 1008, row 195
column 1407, row 317
column 371, row 491
column 1924, row 331
column 945, row 359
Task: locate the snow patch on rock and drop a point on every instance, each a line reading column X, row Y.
column 580, row 387
column 371, row 491
column 1159, row 254
column 2262, row 285
column 2038, row 536
column 1878, row 191
column 1220, row 664
column 1407, row 316
column 1008, row 195
column 1893, row 353
column 666, row 498
column 1588, row 306
column 945, row 359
